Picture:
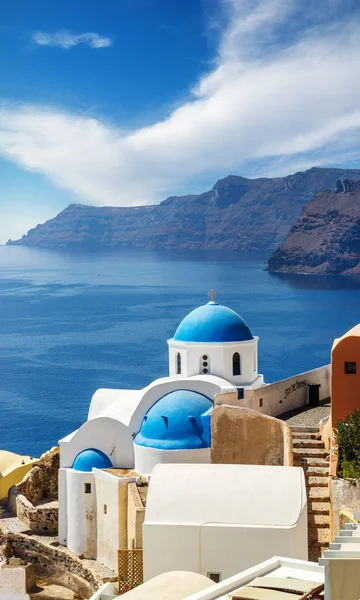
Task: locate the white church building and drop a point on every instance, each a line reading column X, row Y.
column 212, row 351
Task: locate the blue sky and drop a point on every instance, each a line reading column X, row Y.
column 124, row 102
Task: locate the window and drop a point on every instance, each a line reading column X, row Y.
column 105, row 509
column 178, row 363
column 350, row 368
column 205, row 364
column 236, row 364
column 87, row 488
column 261, row 403
column 215, row 577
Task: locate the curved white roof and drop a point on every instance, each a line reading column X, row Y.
column 116, row 404
column 176, row 585
column 252, row 495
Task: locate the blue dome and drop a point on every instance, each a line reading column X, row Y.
column 213, row 323
column 177, row 422
column 87, row 459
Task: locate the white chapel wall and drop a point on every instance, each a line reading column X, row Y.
column 285, row 395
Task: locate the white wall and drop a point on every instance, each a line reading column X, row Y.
column 147, row 458
column 103, row 433
column 63, row 512
column 81, row 514
column 223, row 518
column 219, row 360
column 285, row 395
column 108, row 526
column 218, row 548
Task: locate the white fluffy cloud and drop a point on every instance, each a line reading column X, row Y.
column 291, row 99
column 65, row 39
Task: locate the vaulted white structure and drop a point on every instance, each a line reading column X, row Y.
column 218, row 519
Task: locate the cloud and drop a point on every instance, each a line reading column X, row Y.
column 290, row 99
column 65, row 39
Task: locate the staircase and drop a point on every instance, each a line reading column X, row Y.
column 310, row 454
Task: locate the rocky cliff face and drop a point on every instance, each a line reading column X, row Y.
column 326, row 236
column 237, row 214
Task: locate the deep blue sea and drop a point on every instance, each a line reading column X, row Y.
column 71, row 322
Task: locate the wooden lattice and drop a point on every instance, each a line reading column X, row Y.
column 130, row 565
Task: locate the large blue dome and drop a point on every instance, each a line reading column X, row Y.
column 87, row 459
column 213, row 323
column 177, row 422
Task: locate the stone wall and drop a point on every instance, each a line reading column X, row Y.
column 244, row 436
column 42, row 480
column 344, row 495
column 56, row 564
column 33, row 499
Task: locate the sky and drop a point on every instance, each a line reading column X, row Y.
column 125, row 102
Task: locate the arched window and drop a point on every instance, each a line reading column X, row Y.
column 236, row 364
column 178, row 364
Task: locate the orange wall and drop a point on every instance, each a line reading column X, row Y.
column 345, row 388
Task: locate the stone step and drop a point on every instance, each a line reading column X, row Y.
column 316, row 481
column 298, row 429
column 315, row 520
column 318, row 493
column 316, row 552
column 306, row 436
column 310, row 462
column 310, row 453
column 319, row 535
column 318, row 507
column 316, row 471
column 308, row 444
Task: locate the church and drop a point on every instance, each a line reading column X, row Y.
column 131, row 431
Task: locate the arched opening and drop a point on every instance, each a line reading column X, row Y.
column 236, row 364
column 178, row 364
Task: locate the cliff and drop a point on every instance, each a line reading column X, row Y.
column 237, row 214
column 326, row 236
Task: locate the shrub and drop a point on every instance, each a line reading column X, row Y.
column 348, row 439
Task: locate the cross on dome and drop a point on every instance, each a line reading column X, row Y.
column 212, row 295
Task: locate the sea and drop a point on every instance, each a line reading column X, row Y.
column 74, row 321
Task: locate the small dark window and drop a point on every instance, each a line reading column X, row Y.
column 87, row 488
column 350, row 368
column 215, row 577
column 261, row 402
column 236, row 364
column 205, row 371
column 105, row 509
column 178, row 363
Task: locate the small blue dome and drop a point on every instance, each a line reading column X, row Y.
column 87, row 459
column 177, row 422
column 213, row 323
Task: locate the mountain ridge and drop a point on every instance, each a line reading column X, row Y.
column 238, row 213
column 325, row 238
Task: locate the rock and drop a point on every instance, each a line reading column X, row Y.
column 326, row 236
column 237, row 214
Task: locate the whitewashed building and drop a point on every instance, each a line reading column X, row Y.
column 212, row 351
column 218, row 519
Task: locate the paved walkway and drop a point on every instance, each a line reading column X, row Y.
column 307, row 416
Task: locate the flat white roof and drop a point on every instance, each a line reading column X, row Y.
column 238, row 494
